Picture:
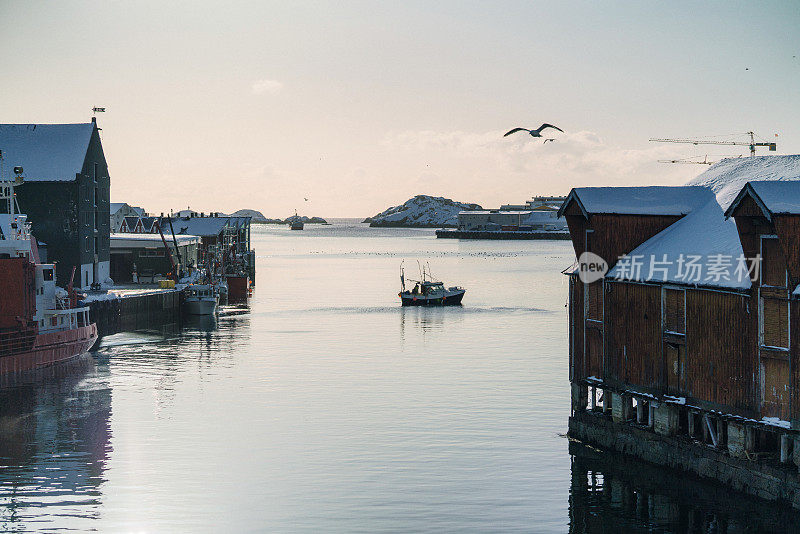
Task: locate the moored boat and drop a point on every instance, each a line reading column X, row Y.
column 40, row 324
column 296, row 222
column 201, row 299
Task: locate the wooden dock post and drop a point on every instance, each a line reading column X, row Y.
column 690, row 422
column 579, row 394
column 650, row 414
column 606, row 401
column 640, row 417
column 666, row 419
column 796, row 452
column 593, row 390
column 620, row 407
column 784, row 448
column 738, row 440
column 712, row 432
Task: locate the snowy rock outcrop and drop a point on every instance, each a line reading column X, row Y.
column 304, row 219
column 257, row 216
column 422, row 211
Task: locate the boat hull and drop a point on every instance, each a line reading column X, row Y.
column 201, row 306
column 450, row 299
column 50, row 348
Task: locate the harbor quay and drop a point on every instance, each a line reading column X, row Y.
column 447, row 233
column 137, row 310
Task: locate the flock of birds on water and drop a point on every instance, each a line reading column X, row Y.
column 535, row 133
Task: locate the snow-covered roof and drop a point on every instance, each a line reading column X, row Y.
column 114, row 207
column 701, row 249
column 202, row 226
column 705, row 236
column 649, row 200
column 729, row 176
column 781, row 197
column 521, row 213
column 47, row 152
column 125, row 240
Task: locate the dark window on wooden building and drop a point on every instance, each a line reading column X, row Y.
column 674, row 310
column 774, row 379
column 773, row 264
column 594, row 300
column 673, row 320
column 775, row 322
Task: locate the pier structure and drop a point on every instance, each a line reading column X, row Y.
column 684, row 352
column 136, row 310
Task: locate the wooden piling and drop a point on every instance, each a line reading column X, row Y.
column 784, row 448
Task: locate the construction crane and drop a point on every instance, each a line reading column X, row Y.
column 752, row 144
column 689, row 161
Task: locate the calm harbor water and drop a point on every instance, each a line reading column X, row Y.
column 328, row 407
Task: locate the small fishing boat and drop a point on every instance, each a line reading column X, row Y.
column 201, row 299
column 296, row 222
column 429, row 292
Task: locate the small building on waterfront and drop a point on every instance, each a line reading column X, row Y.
column 539, row 214
column 145, row 255
column 696, row 323
column 120, row 210
column 219, row 234
column 65, row 194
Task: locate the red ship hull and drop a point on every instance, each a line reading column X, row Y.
column 50, row 348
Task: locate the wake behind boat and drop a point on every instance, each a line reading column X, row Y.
column 428, row 292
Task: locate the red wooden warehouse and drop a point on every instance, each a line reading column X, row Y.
column 694, row 331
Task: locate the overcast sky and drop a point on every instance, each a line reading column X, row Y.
column 361, row 105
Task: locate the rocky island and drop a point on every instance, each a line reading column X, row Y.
column 422, row 211
column 259, row 218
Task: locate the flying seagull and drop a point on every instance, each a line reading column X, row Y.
column 534, row 133
column 548, row 139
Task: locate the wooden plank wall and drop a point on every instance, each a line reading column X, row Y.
column 721, row 354
column 633, row 335
column 788, row 229
column 718, row 363
column 576, row 324
column 615, row 235
column 794, row 356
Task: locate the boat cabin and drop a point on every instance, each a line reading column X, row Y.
column 426, row 288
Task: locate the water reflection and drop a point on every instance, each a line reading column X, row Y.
column 614, row 493
column 54, row 444
column 200, row 323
